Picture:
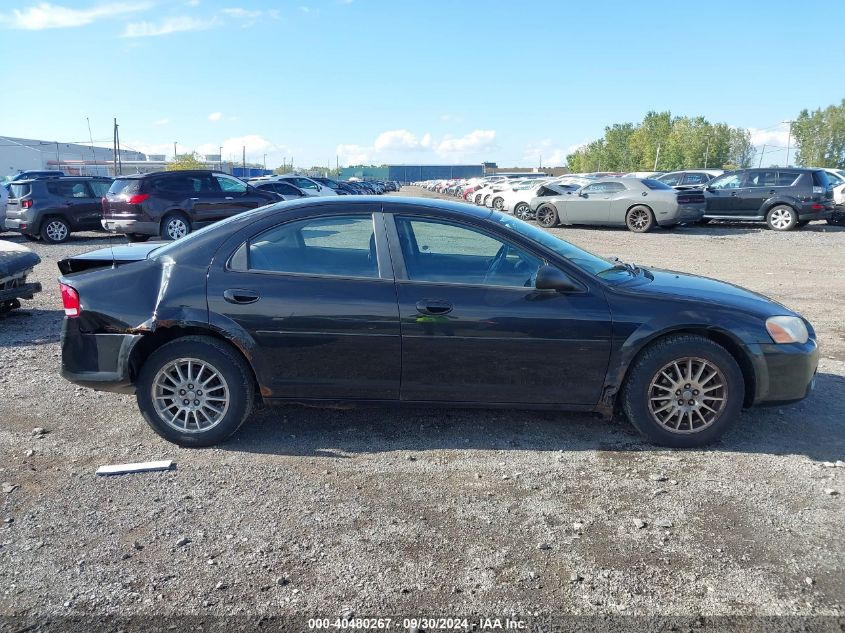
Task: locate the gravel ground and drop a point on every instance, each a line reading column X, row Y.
column 431, row 512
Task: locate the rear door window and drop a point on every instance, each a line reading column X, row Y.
column 694, row 178
column 230, row 185
column 671, row 179
column 766, row 178
column 728, row 181
column 69, row 188
column 788, row 178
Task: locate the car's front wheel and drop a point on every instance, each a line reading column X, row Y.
column 498, row 203
column 782, row 218
column 683, row 391
column 547, row 216
column 522, row 211
column 195, row 391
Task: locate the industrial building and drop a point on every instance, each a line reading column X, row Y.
column 411, row 173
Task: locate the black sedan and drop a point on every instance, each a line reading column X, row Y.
column 398, row 301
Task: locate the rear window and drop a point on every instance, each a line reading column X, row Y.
column 19, row 191
column 654, row 184
column 125, row 185
column 788, row 178
column 820, row 179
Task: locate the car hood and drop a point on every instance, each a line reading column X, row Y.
column 677, row 285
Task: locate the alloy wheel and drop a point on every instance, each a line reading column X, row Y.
column 687, row 395
column 190, row 395
column 56, row 231
column 545, row 216
column 176, row 228
column 498, row 203
column 781, row 218
column 638, row 219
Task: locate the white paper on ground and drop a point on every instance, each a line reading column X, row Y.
column 140, row 467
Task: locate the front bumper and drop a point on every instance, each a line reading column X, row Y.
column 785, row 373
column 97, row 361
column 130, row 226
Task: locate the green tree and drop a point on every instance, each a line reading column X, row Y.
column 820, row 137
column 186, row 161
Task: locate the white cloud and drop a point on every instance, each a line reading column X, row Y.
column 161, row 122
column 353, row 154
column 772, row 136
column 474, row 141
column 175, row 24
column 45, row 15
column 238, row 12
column 397, row 140
column 193, row 3
column 215, row 116
column 545, row 150
column 256, row 146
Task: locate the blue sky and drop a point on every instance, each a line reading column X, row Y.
column 402, row 81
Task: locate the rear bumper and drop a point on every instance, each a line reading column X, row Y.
column 130, row 226
column 785, row 373
column 24, row 291
column 808, row 213
column 686, row 214
column 97, row 361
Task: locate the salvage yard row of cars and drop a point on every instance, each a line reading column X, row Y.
column 49, row 206
column 783, row 198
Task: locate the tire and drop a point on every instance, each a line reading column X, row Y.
column 647, row 379
column 486, row 198
column 478, row 199
column 55, row 229
column 639, row 219
column 136, row 237
column 498, row 203
column 781, row 217
column 175, row 225
column 231, row 390
column 522, row 211
column 547, row 216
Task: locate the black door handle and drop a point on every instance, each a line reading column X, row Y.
column 734, row 194
column 239, row 295
column 434, row 306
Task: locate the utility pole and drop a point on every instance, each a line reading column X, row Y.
column 91, row 138
column 119, row 161
column 761, row 155
column 221, row 158
column 114, row 148
column 656, row 158
column 788, row 138
column 244, row 161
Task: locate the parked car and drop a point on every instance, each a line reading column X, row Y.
column 642, row 174
column 310, row 186
column 52, row 208
column 333, row 301
column 639, row 204
column 784, row 198
column 331, row 184
column 837, row 181
column 171, row 204
column 520, row 202
column 16, row 263
column 286, row 190
column 693, row 179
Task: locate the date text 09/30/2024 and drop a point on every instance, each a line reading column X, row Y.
column 413, row 624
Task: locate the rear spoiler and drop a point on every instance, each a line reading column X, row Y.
column 110, row 257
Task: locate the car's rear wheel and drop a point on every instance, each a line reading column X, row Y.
column 498, row 203
column 522, row 211
column 639, row 219
column 55, row 230
column 195, row 391
column 486, row 198
column 782, row 217
column 174, row 226
column 683, row 391
column 547, row 216
column 478, row 199
column 136, row 237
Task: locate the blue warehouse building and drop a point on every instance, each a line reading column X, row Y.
column 411, row 173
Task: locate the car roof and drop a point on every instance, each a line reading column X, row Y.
column 178, row 172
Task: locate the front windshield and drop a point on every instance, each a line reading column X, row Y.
column 584, row 260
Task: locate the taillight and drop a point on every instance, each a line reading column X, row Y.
column 70, row 299
column 26, row 204
column 138, row 198
column 817, row 207
column 105, row 204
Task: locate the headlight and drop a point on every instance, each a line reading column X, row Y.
column 787, row 329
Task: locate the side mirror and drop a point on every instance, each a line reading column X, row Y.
column 581, row 194
column 551, row 278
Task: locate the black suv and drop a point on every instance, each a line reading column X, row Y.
column 171, row 204
column 783, row 197
column 52, row 208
